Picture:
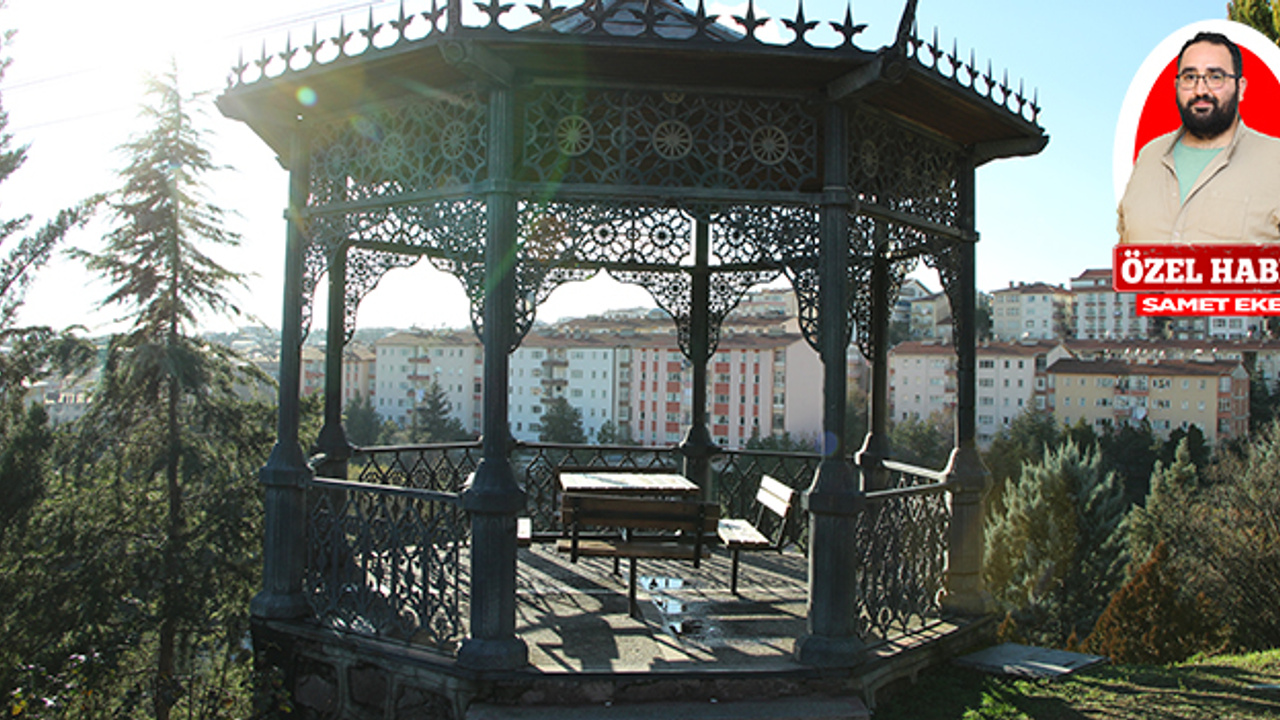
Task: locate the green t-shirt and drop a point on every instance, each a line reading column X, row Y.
column 1188, row 163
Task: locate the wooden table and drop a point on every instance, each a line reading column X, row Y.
column 628, row 483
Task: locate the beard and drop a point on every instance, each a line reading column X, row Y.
column 1215, row 122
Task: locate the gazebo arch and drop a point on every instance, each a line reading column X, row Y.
column 649, row 141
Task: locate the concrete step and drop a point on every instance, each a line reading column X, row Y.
column 798, row 708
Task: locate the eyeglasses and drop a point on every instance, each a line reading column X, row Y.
column 1213, row 79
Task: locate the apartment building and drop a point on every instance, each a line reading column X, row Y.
column 1169, row 394
column 1010, row 379
column 1104, row 314
column 1030, row 311
column 931, row 318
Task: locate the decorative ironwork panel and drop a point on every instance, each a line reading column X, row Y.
column 387, row 565
column 902, row 169
column 902, row 546
column 668, row 139
column 385, row 151
column 443, row 467
column 450, row 232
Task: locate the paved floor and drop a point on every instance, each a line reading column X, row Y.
column 573, row 617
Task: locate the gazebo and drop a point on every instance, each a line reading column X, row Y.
column 669, row 148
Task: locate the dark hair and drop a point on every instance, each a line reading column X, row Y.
column 1216, row 39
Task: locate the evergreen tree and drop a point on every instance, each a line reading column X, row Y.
column 361, row 421
column 433, row 420
column 926, row 443
column 1053, row 551
column 165, row 420
column 1130, row 452
column 1024, row 441
column 561, row 422
column 611, row 433
column 30, row 355
column 1165, row 513
column 1261, row 15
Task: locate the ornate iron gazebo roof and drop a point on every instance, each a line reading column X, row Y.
column 668, row 148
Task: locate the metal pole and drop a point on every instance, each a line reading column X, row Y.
column 834, row 500
column 875, row 448
column 965, row 592
column 697, row 446
column 332, row 443
column 495, row 497
column 286, row 474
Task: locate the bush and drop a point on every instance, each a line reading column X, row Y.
column 1150, row 621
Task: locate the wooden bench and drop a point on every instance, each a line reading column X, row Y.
column 773, row 498
column 651, row 528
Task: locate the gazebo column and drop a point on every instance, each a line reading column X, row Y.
column 698, row 447
column 875, row 448
column 285, row 475
column 494, row 497
column 834, row 500
column 332, row 443
column 965, row 592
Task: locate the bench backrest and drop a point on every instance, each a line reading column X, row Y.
column 776, row 498
column 619, row 511
column 695, row 519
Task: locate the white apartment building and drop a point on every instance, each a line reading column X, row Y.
column 1010, row 379
column 1104, row 314
column 407, row 363
column 581, row 368
column 1029, row 311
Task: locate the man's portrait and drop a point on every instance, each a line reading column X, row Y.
column 1214, row 179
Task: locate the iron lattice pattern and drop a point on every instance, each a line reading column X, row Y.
column 902, row 545
column 389, row 151
column 896, row 168
column 388, row 564
column 671, row 139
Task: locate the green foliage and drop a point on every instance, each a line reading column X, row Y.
column 561, row 422
column 611, row 433
column 361, row 421
column 1150, row 621
column 856, row 422
column 780, row 443
column 1264, row 402
column 1053, row 550
column 1023, row 442
column 1232, row 541
column 1261, row 15
column 148, row 540
column 926, row 443
column 433, row 421
column 1130, row 452
column 1166, row 511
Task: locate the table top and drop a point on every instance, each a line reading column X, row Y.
column 628, row 483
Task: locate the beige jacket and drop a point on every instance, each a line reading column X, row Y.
column 1235, row 200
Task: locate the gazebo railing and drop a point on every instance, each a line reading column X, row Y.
column 387, row 549
column 388, row 561
column 901, row 538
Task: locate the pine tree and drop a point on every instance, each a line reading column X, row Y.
column 165, row 418
column 1165, row 514
column 434, row 421
column 361, row 421
column 1261, row 15
column 30, row 354
column 1054, row 553
column 561, row 422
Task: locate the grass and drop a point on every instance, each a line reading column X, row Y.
column 1213, row 688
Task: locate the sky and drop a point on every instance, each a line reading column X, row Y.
column 78, row 67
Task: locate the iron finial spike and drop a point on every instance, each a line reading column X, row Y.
column 906, row 25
